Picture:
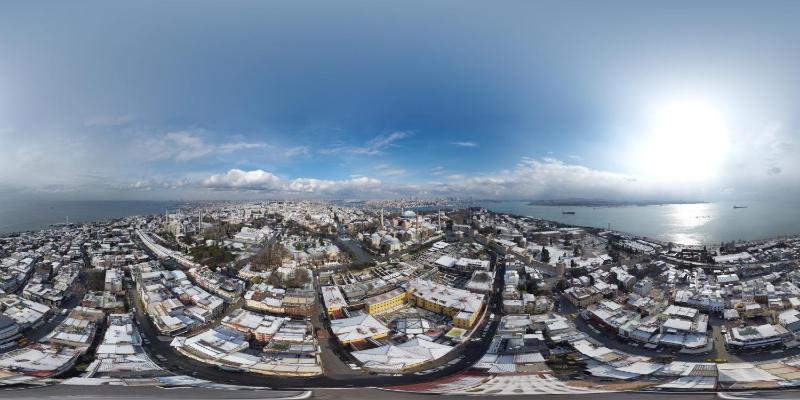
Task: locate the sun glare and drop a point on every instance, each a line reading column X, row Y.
column 686, row 141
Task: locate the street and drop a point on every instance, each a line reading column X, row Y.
column 200, row 393
column 338, row 374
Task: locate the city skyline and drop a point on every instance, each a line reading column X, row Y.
column 619, row 101
column 354, row 199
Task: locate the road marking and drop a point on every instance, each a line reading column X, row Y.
column 741, row 396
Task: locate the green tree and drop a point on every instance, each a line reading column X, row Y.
column 545, row 255
column 97, row 280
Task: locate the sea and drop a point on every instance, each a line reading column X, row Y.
column 18, row 216
column 690, row 224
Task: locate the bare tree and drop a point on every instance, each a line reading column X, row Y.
column 270, row 257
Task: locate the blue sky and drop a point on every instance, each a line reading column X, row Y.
column 232, row 99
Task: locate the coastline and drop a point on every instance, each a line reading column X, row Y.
column 117, row 209
column 690, row 224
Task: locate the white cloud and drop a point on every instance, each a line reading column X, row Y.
column 464, row 144
column 375, row 146
column 531, row 178
column 260, row 180
column 396, row 172
column 545, row 178
column 296, row 151
column 245, row 180
column 762, row 162
column 438, row 170
column 153, row 184
column 321, row 186
column 389, row 170
column 188, row 145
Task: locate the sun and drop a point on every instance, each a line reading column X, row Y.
column 686, row 141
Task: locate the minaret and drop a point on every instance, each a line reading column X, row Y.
column 382, row 218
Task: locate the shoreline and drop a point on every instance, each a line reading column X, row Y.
column 700, row 242
column 60, row 225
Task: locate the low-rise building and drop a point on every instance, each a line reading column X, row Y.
column 706, row 300
column 358, row 328
column 105, row 301
column 40, row 360
column 582, row 296
column 759, row 336
column 78, row 329
column 113, row 281
column 334, row 300
column 461, row 305
column 258, row 326
column 120, row 354
column 267, row 298
column 26, row 313
column 398, row 358
column 388, row 301
column 9, row 329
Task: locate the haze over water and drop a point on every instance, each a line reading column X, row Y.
column 18, row 216
column 703, row 223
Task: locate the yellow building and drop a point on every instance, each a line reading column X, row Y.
column 387, row 301
column 334, row 300
column 461, row 305
column 465, row 319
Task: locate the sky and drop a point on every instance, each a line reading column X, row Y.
column 623, row 100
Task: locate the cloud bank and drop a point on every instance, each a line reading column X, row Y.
column 263, row 181
column 532, row 178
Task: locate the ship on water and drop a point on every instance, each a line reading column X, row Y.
column 737, row 207
column 568, row 212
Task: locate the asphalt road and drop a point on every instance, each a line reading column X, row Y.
column 145, row 392
column 152, row 392
column 180, row 364
column 388, row 395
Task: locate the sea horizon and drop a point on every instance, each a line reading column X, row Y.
column 682, row 223
column 707, row 223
